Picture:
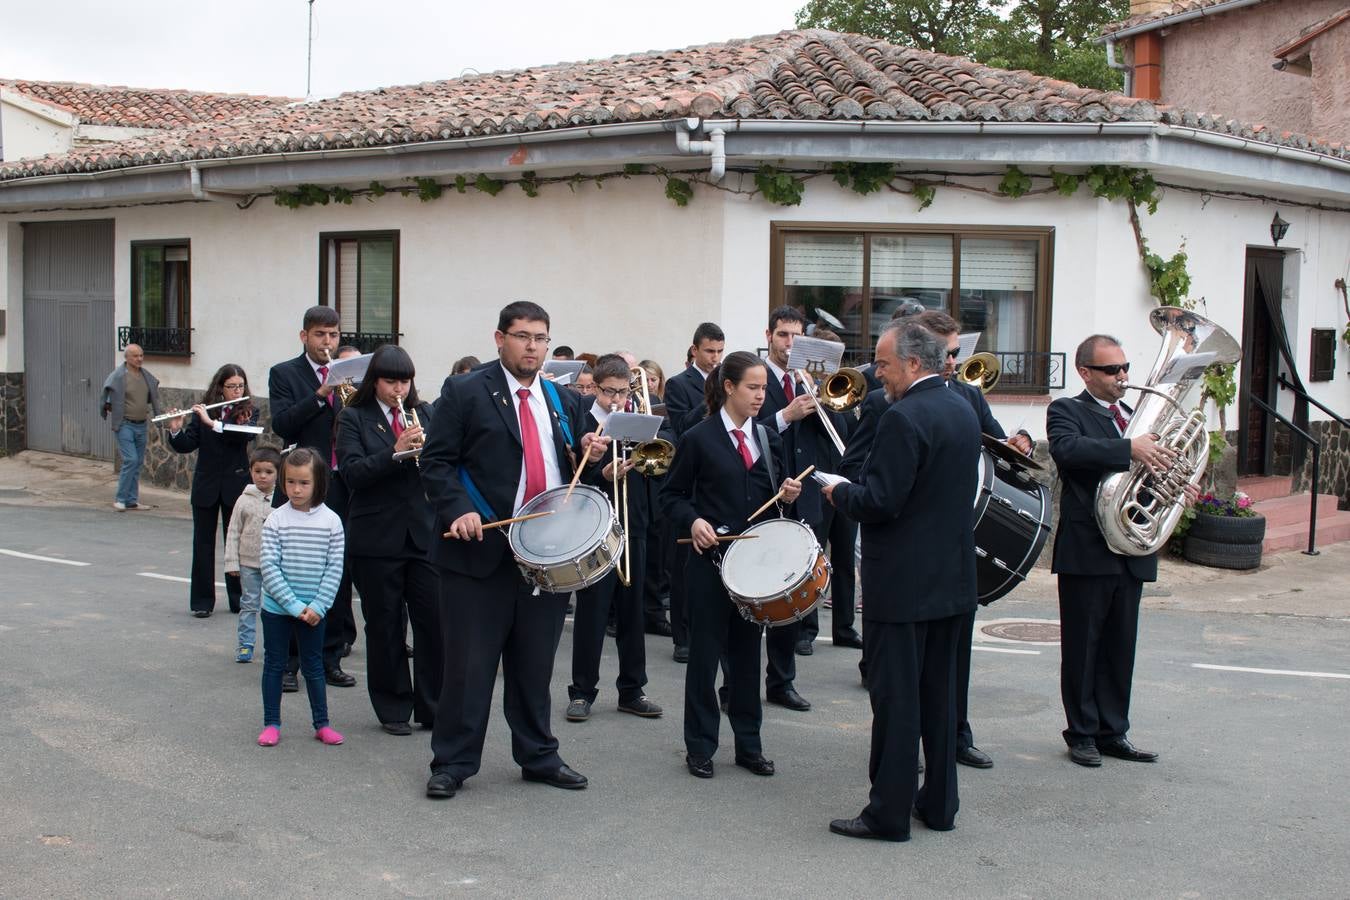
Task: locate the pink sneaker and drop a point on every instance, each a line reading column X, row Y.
column 270, row 736
column 328, row 736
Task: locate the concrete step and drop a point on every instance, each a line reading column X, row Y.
column 1294, row 509
column 1263, row 487
column 1330, row 530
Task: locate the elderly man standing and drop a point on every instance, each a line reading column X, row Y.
column 130, row 398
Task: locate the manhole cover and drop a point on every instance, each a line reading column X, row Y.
column 1028, row 632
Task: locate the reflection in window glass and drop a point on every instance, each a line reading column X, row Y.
column 912, row 267
column 998, row 296
column 824, row 272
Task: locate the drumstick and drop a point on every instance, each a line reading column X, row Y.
column 722, row 537
column 774, row 499
column 581, row 465
column 501, row 522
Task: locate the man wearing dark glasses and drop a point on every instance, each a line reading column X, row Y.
column 1099, row 590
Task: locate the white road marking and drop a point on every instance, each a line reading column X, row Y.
column 1005, row 650
column 50, row 559
column 1271, row 671
column 179, row 578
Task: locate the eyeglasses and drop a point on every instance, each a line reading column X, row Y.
column 1113, row 369
column 953, row 354
column 237, row 386
column 527, row 339
column 615, row 393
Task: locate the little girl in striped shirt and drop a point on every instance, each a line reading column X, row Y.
column 302, row 544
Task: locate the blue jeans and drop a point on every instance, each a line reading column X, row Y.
column 131, row 445
column 277, row 634
column 250, row 601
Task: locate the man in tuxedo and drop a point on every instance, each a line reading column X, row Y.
column 1099, row 590
column 918, row 570
column 503, row 435
column 304, row 412
column 684, row 409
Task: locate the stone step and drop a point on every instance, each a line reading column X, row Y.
column 1330, row 530
column 1294, row 509
column 1266, row 487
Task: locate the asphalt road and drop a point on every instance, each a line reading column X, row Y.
column 128, row 765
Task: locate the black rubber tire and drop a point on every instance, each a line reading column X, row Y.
column 1228, row 529
column 1222, row 556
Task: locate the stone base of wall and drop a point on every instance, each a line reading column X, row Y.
column 1334, row 477
column 13, row 421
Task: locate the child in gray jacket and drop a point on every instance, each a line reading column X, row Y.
column 243, row 543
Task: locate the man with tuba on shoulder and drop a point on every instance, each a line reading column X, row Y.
column 1099, row 589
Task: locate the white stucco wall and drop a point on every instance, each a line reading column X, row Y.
column 25, row 134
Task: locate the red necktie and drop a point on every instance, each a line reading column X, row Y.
column 394, row 423
column 323, row 379
column 1120, row 419
column 535, row 481
column 742, row 446
column 787, row 388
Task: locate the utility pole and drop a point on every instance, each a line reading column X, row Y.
column 309, row 52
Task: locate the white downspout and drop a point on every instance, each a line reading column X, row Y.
column 1119, row 66
column 714, row 147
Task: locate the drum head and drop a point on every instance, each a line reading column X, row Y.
column 779, row 558
column 576, row 526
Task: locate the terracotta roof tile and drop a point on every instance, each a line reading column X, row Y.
column 1165, row 12
column 802, row 75
column 98, row 104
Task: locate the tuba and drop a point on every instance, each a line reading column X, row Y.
column 1137, row 509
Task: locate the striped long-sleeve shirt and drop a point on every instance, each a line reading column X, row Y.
column 301, row 560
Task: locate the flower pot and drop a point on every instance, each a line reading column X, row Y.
column 1225, row 542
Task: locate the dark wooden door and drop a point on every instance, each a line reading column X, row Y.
column 1259, row 371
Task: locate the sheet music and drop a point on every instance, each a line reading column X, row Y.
column 827, row 479
column 968, row 343
column 632, row 427
column 353, row 368
column 564, row 371
column 1188, row 365
column 815, row 356
column 246, row 429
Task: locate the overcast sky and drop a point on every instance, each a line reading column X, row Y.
column 258, row 46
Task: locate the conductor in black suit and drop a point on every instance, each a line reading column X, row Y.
column 1099, row 590
column 304, row 412
column 918, row 567
column 503, row 435
column 389, row 533
column 684, row 409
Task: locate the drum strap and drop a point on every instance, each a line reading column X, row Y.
column 766, row 453
column 563, row 422
column 476, row 496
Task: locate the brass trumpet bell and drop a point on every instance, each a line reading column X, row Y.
column 981, row 370
column 842, row 390
column 653, row 458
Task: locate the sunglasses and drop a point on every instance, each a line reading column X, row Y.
column 1113, row 369
column 953, row 354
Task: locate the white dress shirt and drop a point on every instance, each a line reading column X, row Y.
column 1107, row 404
column 748, row 429
column 778, row 374
column 543, row 421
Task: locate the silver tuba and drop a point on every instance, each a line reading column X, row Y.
column 1137, row 509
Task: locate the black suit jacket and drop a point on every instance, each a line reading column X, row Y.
column 298, row 416
column 478, row 430
column 915, row 502
column 805, row 444
column 1086, row 447
column 386, row 506
column 684, row 400
column 709, row 480
column 222, row 461
column 642, row 490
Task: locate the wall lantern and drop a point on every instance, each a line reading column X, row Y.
column 1278, row 229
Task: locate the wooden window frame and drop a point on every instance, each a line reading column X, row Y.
column 138, row 327
column 1043, row 235
column 325, row 237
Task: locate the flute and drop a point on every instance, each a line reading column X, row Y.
column 188, row 412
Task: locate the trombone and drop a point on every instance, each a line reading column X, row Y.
column 839, row 391
column 981, row 370
column 650, row 459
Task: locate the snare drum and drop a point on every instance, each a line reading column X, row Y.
column 1012, row 520
column 778, row 577
column 573, row 548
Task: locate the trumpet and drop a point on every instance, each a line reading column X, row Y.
column 981, row 370
column 407, row 418
column 187, row 412
column 839, row 391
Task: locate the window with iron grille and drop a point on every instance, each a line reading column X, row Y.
column 358, row 276
column 161, row 295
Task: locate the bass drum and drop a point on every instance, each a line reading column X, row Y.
column 1012, row 520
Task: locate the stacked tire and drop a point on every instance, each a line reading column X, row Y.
column 1225, row 542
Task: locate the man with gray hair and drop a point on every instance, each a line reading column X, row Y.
column 130, row 399
column 914, row 501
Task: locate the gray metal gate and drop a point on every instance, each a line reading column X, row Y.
column 68, row 334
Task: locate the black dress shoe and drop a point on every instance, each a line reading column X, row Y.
column 290, row 683
column 699, row 766
column 681, row 654
column 788, row 698
column 201, row 614
column 401, row 729
column 974, row 757
column 562, row 777
column 641, row 706
column 857, row 828
column 804, row 648
column 338, row 678
column 1121, row 748
column 660, row 626
column 442, row 785
column 1085, row 753
column 757, row 764
column 848, row 638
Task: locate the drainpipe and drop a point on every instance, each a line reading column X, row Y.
column 714, row 147
column 1119, row 67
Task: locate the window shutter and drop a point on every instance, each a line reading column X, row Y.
column 377, row 286
column 995, row 264
column 823, row 260
column 347, row 288
column 911, row 261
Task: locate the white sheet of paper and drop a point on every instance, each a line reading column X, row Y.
column 560, row 367
column 968, row 342
column 562, row 380
column 816, row 356
column 632, row 427
column 826, row 479
column 352, row 368
column 246, row 429
column 1180, row 367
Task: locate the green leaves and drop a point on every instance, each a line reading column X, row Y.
column 924, row 193
column 863, row 178
column 490, row 186
column 679, row 190
column 1169, row 280
column 779, row 187
column 428, row 189
column 1015, row 182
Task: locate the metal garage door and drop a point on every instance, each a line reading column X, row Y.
column 69, row 337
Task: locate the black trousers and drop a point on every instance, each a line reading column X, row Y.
column 839, row 534
column 202, row 592
column 679, row 591
column 716, row 632
column 339, row 624
column 588, row 631
column 395, row 590
column 657, row 571
column 1099, row 625
column 485, row 622
column 965, row 737
column 911, row 683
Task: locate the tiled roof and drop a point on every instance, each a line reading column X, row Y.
column 1165, row 12
column 793, row 75
column 1312, row 32
column 98, row 104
